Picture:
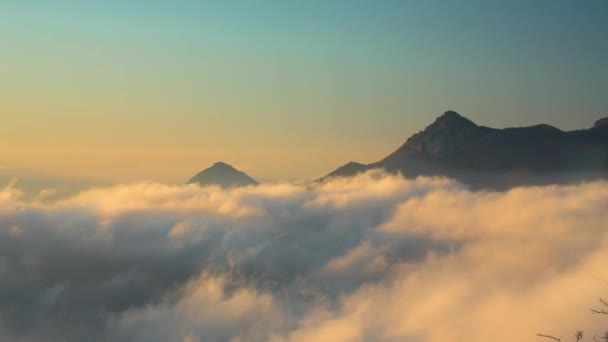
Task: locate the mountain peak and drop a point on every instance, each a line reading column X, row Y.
column 485, row 157
column 224, row 175
column 450, row 113
column 222, row 165
column 603, row 122
column 452, row 119
column 450, row 134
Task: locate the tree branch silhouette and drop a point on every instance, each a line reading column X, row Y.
column 579, row 333
column 550, row 337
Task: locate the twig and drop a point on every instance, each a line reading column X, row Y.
column 578, row 335
column 601, row 311
column 550, row 337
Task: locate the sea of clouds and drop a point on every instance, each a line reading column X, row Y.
column 370, row 258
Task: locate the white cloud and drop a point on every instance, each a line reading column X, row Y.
column 374, row 257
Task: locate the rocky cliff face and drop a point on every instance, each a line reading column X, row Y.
column 456, row 147
column 449, row 135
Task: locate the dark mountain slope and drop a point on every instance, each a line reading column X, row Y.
column 223, row 175
column 454, row 146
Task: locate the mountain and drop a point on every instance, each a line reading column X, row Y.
column 223, row 175
column 601, row 122
column 484, row 157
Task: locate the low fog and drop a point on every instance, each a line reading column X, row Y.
column 373, row 257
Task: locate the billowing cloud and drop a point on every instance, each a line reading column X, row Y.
column 374, row 257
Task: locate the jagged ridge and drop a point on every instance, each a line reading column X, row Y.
column 454, row 146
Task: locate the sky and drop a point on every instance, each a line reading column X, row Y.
column 158, row 90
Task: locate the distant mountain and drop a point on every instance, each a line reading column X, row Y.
column 223, row 175
column 482, row 157
column 601, row 122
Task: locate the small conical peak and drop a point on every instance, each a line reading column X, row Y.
column 603, row 122
column 353, row 164
column 219, row 167
column 222, row 165
column 545, row 128
column 223, row 175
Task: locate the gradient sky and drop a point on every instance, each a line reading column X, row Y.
column 157, row 90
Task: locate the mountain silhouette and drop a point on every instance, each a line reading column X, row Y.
column 601, row 122
column 223, row 175
column 484, row 157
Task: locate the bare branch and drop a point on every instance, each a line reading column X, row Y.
column 601, row 311
column 601, row 338
column 600, row 279
column 550, row 337
column 578, row 335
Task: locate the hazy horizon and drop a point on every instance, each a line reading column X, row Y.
column 121, row 91
column 36, row 179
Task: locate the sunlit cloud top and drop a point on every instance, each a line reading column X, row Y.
column 374, row 257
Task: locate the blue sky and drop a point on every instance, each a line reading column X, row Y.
column 314, row 83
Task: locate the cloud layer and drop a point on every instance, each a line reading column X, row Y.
column 374, row 257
